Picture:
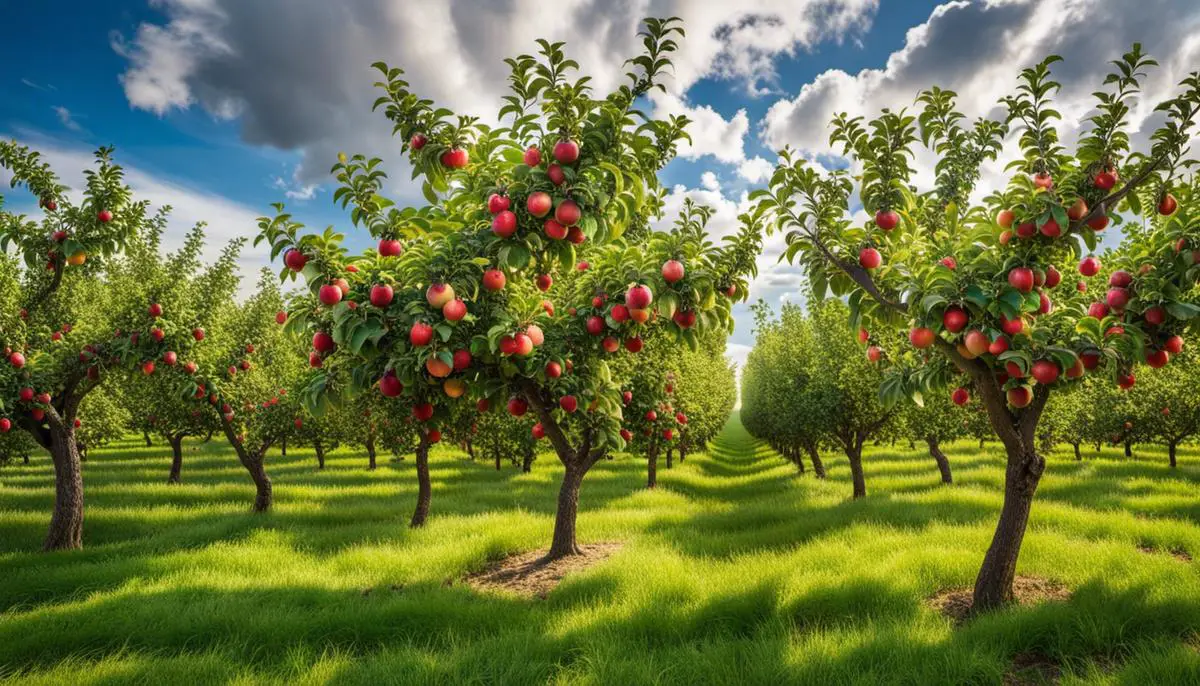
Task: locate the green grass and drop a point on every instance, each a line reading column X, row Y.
column 735, row 570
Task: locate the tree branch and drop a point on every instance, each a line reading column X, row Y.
column 1112, row 199
column 859, row 275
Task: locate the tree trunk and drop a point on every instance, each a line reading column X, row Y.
column 470, row 447
column 797, row 457
column 370, row 444
column 814, row 456
column 1128, row 449
column 264, row 496
column 981, row 444
column 1023, row 471
column 670, row 457
column 652, row 467
column 497, row 460
column 320, row 450
column 146, row 437
column 856, row 470
column 424, row 488
column 176, row 442
column 1171, row 453
column 935, row 451
column 25, row 458
column 283, row 447
column 66, row 523
column 683, row 448
column 1078, row 455
column 563, row 542
column 527, row 463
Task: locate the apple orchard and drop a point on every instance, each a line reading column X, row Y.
column 528, row 302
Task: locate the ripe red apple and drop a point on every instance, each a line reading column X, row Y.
column 455, row 158
column 1089, row 266
column 1026, row 230
column 1043, row 180
column 553, row 369
column 869, row 258
column 568, row 403
column 104, row 216
column 1053, row 277
column 1021, row 278
column 949, row 263
column 686, row 319
column 26, row 394
column 1078, row 210
column 422, row 412
column 1126, row 381
column 417, row 141
column 567, row 213
column 1157, row 359
column 566, row 151
column 638, row 297
column 1051, row 229
column 576, row 236
column 651, row 416
column 886, row 219
column 498, row 203
column 610, row 344
column 43, row 398
column 170, row 358
column 281, row 317
column 1174, row 345
column 619, row 313
column 1155, row 315
column 557, row 176
column 329, row 294
column 1044, row 304
column 1090, row 359
column 626, row 436
column 5, row 425
column 295, row 260
column 517, row 407
column 543, row 282
column 16, row 359
column 921, row 337
column 493, row 280
column 390, row 247
column 634, row 344
column 1005, row 237
column 538, row 431
column 1120, row 279
column 863, row 335
column 1076, row 370
column 421, row 334
column 672, row 271
column 874, row 353
column 960, row 396
column 1005, row 218
column 539, row 203
column 1081, row 286
column 627, row 397
column 1019, row 396
column 954, row 319
column 555, row 230
column 532, row 157
column 504, row 224
column 437, row 368
column 524, row 345
column 1012, row 327
column 998, row 346
column 976, row 342
column 535, row 334
column 454, row 310
column 438, row 294
column 1117, row 298
column 189, row 367
column 1167, row 205
column 1098, row 223
column 148, row 368
column 1044, row 372
column 1105, row 180
column 1098, row 310
column 382, row 295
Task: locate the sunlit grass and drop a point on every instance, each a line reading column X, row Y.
column 735, row 570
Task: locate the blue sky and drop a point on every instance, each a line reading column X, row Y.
column 222, row 107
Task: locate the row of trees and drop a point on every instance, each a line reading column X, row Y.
column 526, row 285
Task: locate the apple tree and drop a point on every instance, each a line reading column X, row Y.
column 972, row 281
column 463, row 299
column 705, row 395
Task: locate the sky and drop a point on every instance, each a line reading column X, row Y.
column 221, row 107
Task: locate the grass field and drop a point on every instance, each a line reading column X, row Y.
column 735, row 570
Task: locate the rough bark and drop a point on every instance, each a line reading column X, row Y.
column 370, row 445
column 176, row 442
column 1078, row 455
column 943, row 464
column 814, row 456
column 652, row 467
column 527, row 462
column 670, row 457
column 563, row 543
column 1128, row 449
column 683, row 448
column 797, row 457
column 66, row 522
column 319, row 448
column 1171, row 453
column 424, row 488
column 854, row 453
column 253, row 462
column 146, row 437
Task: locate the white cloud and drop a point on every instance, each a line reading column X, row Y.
column 708, row 180
column 66, row 118
column 756, row 169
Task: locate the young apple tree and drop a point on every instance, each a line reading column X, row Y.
column 974, row 283
column 465, row 299
column 78, row 321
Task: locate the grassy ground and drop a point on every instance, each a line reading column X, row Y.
column 735, row 570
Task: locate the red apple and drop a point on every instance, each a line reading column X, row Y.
column 638, row 297
column 686, row 319
column 619, row 313
column 382, row 295
column 1089, row 266
column 493, row 280
column 1098, row 223
column 672, row 271
column 504, row 224
column 295, row 260
column 417, row 141
column 390, row 247
column 1050, row 229
column 1117, row 298
column 1126, row 381
column 976, row 342
column 538, row 431
column 1098, row 310
column 553, row 369
column 557, row 176
column 532, row 157
column 539, row 204
column 634, row 344
column 555, row 230
column 960, row 396
column 886, row 219
column 610, row 344
column 1155, row 315
column 1105, row 180
column 543, row 282
column 874, row 353
column 1078, row 210
column 498, row 203
column 921, row 337
column 517, row 407
column 1021, row 278
column 1120, row 279
column 455, row 158
column 329, row 294
column 1020, row 396
column 1174, row 345
column 422, row 412
column 595, row 325
column 1167, row 205
column 1044, row 372
column 104, row 216
column 576, row 236
column 1026, row 230
column 1005, row 218
column 954, row 319
column 1043, row 180
column 421, row 334
column 567, row 213
column 568, row 403
column 566, row 151
column 1157, row 359
column 869, row 258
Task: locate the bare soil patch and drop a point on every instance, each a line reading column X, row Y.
column 1029, row 669
column 531, row 575
column 1177, row 553
column 955, row 603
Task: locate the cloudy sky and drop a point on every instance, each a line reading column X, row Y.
column 220, row 107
